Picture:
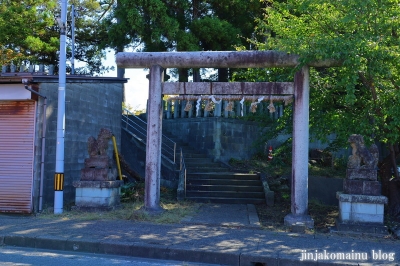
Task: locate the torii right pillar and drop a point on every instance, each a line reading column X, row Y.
column 299, row 188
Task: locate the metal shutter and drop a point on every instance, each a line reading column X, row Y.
column 17, row 134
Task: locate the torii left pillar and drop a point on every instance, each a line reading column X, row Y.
column 299, row 190
column 153, row 147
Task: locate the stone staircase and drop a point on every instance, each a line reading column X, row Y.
column 208, row 181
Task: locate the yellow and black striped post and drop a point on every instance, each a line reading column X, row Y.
column 58, row 181
column 117, row 157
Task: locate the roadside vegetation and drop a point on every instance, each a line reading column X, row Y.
column 271, row 217
column 278, row 171
column 132, row 195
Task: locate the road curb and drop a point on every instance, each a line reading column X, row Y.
column 123, row 249
column 165, row 252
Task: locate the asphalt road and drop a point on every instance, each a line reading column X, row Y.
column 28, row 256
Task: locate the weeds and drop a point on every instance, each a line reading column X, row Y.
column 132, row 195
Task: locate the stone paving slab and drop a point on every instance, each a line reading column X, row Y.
column 209, row 237
column 230, row 215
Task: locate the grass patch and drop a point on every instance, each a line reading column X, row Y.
column 324, row 216
column 272, row 217
column 264, row 166
column 130, row 209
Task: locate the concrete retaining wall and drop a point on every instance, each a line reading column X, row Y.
column 226, row 138
column 89, row 107
column 323, row 189
column 134, row 153
column 220, row 138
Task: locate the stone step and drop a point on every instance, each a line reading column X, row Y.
column 224, row 175
column 225, row 194
column 194, row 155
column 174, row 139
column 190, row 150
column 209, row 181
column 202, row 164
column 230, row 188
column 227, row 200
column 198, row 160
column 224, row 182
column 183, row 145
column 205, row 169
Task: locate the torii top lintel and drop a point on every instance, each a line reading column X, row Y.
column 214, row 59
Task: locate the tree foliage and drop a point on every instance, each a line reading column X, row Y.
column 29, row 32
column 89, row 33
column 26, row 30
column 361, row 96
column 181, row 25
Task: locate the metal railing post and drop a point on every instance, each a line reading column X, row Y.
column 180, row 162
column 138, row 128
column 174, row 151
column 185, row 181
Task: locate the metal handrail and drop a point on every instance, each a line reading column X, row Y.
column 182, row 172
column 138, row 129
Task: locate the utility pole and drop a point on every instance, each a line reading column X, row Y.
column 73, row 39
column 59, row 169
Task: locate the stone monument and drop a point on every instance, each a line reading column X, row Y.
column 361, row 204
column 98, row 188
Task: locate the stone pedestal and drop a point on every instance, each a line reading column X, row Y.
column 98, row 168
column 362, row 173
column 362, row 187
column 361, row 206
column 361, row 213
column 97, row 188
column 97, row 195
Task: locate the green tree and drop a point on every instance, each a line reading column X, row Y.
column 360, row 97
column 29, row 32
column 26, row 31
column 133, row 23
column 182, row 25
column 89, row 33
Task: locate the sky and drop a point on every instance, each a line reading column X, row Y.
column 137, row 88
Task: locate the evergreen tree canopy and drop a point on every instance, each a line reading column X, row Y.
column 182, row 25
column 29, row 32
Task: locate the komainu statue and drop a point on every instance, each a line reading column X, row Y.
column 99, row 166
column 362, row 157
column 99, row 146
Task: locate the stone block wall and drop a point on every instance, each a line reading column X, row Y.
column 220, row 138
column 89, row 106
column 134, row 153
column 226, row 138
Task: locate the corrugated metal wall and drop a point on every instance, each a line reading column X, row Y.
column 17, row 134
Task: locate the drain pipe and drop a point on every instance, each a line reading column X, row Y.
column 43, row 143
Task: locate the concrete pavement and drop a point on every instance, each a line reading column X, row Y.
column 219, row 233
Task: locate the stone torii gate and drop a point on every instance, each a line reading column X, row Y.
column 158, row 61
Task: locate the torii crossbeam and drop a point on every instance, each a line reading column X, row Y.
column 158, row 61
